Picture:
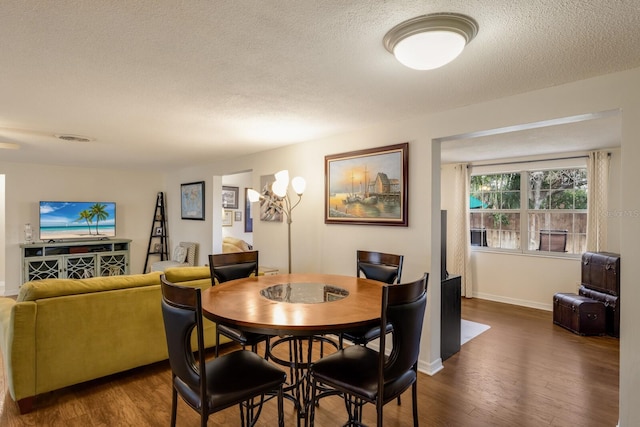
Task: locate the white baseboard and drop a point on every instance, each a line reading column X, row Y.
column 514, row 301
column 430, row 368
column 2, row 288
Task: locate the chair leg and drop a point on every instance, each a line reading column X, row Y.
column 204, row 417
column 414, row 397
column 242, row 423
column 280, row 407
column 379, row 409
column 312, row 407
column 174, row 405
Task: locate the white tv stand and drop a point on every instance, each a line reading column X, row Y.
column 75, row 259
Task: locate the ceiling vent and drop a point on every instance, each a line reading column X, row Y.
column 74, row 138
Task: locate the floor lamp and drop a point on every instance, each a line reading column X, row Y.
column 280, row 201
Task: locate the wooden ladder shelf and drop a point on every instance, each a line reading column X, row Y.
column 158, row 235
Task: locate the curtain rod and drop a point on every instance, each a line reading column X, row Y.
column 532, row 161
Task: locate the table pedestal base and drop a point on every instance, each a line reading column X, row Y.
column 297, row 389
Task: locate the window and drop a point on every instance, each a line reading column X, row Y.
column 495, row 205
column 557, row 210
column 530, row 211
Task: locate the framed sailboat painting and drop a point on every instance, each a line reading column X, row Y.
column 368, row 187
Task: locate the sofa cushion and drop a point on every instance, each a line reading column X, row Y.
column 188, row 274
column 48, row 288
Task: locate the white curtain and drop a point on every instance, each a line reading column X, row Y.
column 598, row 177
column 461, row 237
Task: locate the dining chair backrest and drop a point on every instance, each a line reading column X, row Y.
column 233, row 265
column 403, row 306
column 379, row 266
column 182, row 312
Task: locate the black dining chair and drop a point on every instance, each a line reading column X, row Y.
column 230, row 266
column 364, row 375
column 378, row 266
column 210, row 386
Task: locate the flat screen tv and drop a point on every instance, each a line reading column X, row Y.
column 77, row 220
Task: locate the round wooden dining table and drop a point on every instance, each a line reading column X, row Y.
column 299, row 308
column 295, row 304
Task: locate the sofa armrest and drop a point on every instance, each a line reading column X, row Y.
column 18, row 343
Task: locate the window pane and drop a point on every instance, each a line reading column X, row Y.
column 510, row 200
column 577, row 243
column 509, row 239
column 537, row 222
column 511, row 181
column 581, row 199
column 549, row 225
column 493, row 182
column 477, row 196
column 555, row 180
column 491, row 200
column 551, row 240
column 569, row 199
column 475, row 220
column 503, row 230
column 539, row 199
column 512, row 222
column 536, row 181
column 562, row 199
column 561, row 221
column 580, row 177
column 476, row 184
column 580, row 223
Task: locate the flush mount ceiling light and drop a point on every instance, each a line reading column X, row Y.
column 430, row 41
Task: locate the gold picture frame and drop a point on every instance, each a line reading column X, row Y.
column 227, row 218
column 368, row 187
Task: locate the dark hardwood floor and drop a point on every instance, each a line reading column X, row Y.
column 524, row 371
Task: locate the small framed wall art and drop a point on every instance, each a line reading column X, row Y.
column 192, row 200
column 227, row 218
column 229, row 197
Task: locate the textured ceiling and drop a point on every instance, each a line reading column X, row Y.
column 175, row 83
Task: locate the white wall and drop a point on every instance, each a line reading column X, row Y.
column 27, row 184
column 525, row 279
column 628, row 94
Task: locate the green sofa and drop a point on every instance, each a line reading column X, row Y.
column 60, row 332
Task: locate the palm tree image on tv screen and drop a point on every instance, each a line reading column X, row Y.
column 77, row 220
